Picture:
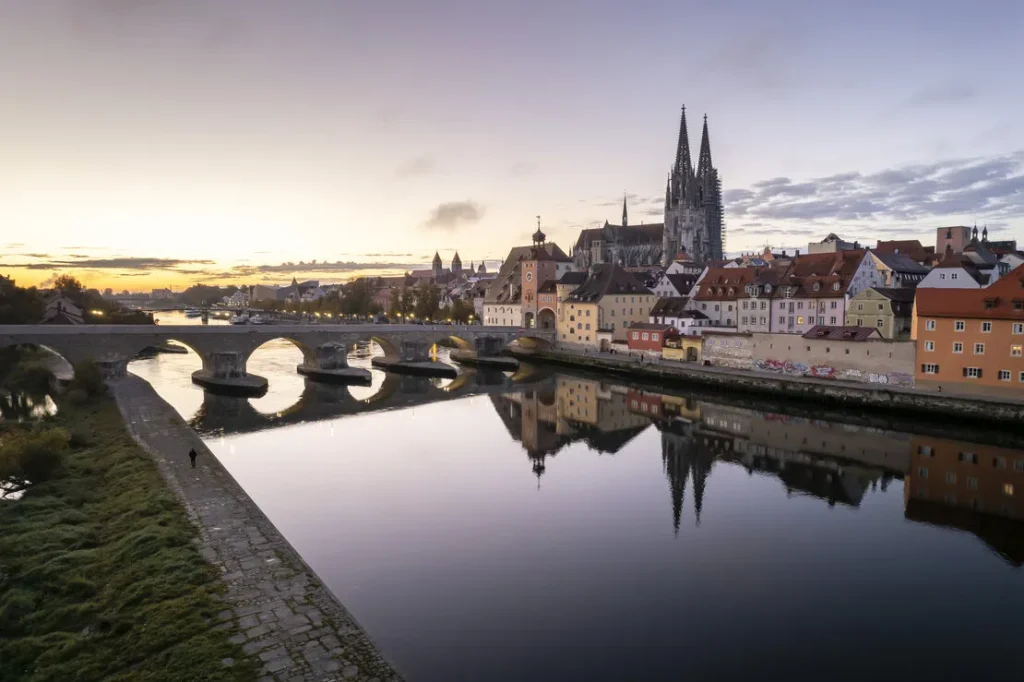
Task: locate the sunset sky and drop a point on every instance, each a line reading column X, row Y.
column 154, row 142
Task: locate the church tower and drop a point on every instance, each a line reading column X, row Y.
column 456, row 265
column 436, row 265
column 693, row 203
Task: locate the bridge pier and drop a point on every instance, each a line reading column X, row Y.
column 329, row 364
column 487, row 354
column 224, row 372
column 414, row 358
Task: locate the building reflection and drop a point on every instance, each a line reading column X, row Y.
column 958, row 485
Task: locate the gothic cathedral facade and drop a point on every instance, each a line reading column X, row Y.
column 693, row 203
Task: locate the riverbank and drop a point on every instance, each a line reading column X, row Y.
column 287, row 617
column 99, row 575
column 1006, row 413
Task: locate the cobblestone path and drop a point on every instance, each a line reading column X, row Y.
column 288, row 619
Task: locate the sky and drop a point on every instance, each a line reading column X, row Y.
column 148, row 143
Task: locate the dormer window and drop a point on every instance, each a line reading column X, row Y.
column 817, row 286
column 731, row 291
column 835, row 287
column 768, row 287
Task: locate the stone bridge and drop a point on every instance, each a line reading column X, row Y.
column 224, row 414
column 225, row 350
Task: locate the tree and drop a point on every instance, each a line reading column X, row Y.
column 460, row 311
column 19, row 305
column 70, row 287
column 428, row 300
column 403, row 301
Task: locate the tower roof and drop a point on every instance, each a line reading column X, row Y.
column 683, row 163
column 704, row 161
column 625, row 220
column 437, row 258
column 456, row 259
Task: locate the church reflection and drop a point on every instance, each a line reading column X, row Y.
column 959, row 485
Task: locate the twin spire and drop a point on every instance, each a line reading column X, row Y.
column 684, row 165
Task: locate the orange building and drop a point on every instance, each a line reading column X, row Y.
column 972, row 340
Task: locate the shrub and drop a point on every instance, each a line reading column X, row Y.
column 89, row 378
column 30, row 457
column 31, row 377
column 80, row 437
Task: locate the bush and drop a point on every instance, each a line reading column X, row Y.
column 77, row 396
column 89, row 378
column 30, row 457
column 80, row 437
column 31, row 377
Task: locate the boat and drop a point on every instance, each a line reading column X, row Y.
column 192, row 312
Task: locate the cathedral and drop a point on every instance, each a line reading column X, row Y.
column 693, row 203
column 693, row 219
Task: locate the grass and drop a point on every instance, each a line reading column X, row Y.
column 99, row 576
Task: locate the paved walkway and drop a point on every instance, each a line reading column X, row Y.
column 288, row 619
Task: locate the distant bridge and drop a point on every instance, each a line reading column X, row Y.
column 225, row 350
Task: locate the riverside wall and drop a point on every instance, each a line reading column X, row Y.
column 1003, row 412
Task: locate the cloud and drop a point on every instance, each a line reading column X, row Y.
column 983, row 188
column 948, row 92
column 112, row 264
column 417, row 167
column 314, row 266
column 386, row 255
column 452, row 215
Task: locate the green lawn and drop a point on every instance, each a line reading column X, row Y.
column 99, row 579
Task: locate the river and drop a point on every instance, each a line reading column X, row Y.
column 579, row 529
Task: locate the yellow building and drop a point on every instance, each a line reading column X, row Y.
column 890, row 311
column 683, row 348
column 609, row 299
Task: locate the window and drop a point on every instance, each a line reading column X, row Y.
column 1008, row 489
column 951, row 478
column 588, row 312
column 959, row 325
column 929, row 368
column 986, row 327
column 942, row 276
column 832, row 320
column 999, row 462
column 1018, row 327
column 1021, row 378
column 930, row 325
column 860, row 306
column 979, row 349
column 800, row 319
column 968, row 457
column 922, row 472
column 929, row 345
column 925, row 450
column 972, row 372
column 703, row 306
column 954, row 275
column 835, row 304
column 880, row 307
column 636, row 336
column 880, row 322
column 972, row 483
column 645, row 336
column 1018, row 465
column 744, row 319
column 716, row 307
column 1004, row 375
column 782, row 320
column 1015, row 351
column 835, row 287
column 655, row 337
column 958, row 347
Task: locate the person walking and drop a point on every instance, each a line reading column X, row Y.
column 192, row 456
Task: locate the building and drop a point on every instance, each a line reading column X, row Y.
column 716, row 294
column 694, row 219
column 160, row 294
column 674, row 312
column 815, row 288
column 62, row 310
column 674, row 285
column 648, row 336
column 683, row 264
column 898, row 270
column 890, row 311
column 755, row 313
column 955, row 238
column 971, row 340
column 957, row 270
column 512, row 297
column 831, row 244
column 623, row 245
column 610, row 298
column 913, row 248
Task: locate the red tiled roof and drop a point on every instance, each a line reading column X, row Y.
column 996, row 301
column 725, row 284
column 816, row 275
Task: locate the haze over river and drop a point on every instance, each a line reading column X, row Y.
column 574, row 529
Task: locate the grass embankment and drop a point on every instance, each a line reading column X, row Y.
column 99, row 578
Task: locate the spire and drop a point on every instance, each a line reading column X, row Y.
column 625, row 221
column 684, row 166
column 984, row 234
column 668, row 191
column 704, row 161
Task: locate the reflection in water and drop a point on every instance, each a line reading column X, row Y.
column 644, row 523
column 277, row 359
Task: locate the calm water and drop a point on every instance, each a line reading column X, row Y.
column 578, row 530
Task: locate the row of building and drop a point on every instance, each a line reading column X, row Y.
column 949, row 316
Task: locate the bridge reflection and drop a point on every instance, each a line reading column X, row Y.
column 226, row 415
column 968, row 486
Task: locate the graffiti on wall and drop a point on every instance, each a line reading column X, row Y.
column 828, row 372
